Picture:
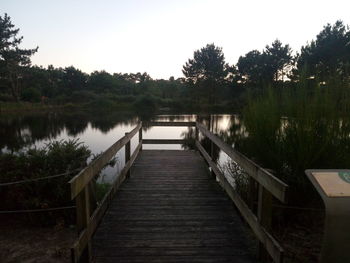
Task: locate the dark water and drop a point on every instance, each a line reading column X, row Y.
column 99, row 131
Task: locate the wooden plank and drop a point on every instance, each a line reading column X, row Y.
column 171, row 123
column 174, row 259
column 83, row 239
column 162, row 141
column 155, row 223
column 274, row 185
column 272, row 246
column 78, row 182
column 183, row 251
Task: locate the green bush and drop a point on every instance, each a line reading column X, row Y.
column 146, row 102
column 127, row 98
column 61, row 99
column 102, row 104
column 55, row 158
column 82, row 96
column 31, row 95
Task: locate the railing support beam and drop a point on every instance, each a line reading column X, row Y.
column 140, row 136
column 83, row 218
column 127, row 154
column 265, row 219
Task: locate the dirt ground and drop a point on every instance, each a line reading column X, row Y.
column 27, row 244
column 302, row 237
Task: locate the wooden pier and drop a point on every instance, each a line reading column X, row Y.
column 167, row 206
column 171, row 210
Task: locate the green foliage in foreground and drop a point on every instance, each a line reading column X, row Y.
column 314, row 135
column 55, row 158
column 101, row 190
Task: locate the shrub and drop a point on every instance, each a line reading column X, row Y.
column 82, row 96
column 56, row 158
column 146, row 102
column 61, row 99
column 31, row 95
column 102, row 104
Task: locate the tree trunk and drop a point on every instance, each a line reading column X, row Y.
column 15, row 88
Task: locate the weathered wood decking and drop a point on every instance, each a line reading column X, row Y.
column 171, row 210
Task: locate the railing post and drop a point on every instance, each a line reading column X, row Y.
column 265, row 218
column 196, row 133
column 83, row 218
column 212, row 156
column 251, row 198
column 127, row 155
column 140, row 136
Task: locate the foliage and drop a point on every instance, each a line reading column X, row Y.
column 207, row 70
column 329, row 54
column 267, row 66
column 146, row 103
column 102, row 104
column 31, row 94
column 314, row 135
column 101, row 190
column 73, row 79
column 279, row 57
column 57, row 157
column 252, row 66
column 209, row 82
column 13, row 59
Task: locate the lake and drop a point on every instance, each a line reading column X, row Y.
column 99, row 131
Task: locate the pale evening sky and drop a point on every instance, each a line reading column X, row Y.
column 158, row 36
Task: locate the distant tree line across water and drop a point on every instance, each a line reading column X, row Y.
column 208, row 79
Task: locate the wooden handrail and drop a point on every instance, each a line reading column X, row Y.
column 271, row 183
column 268, row 185
column 274, row 249
column 81, row 185
column 79, row 182
column 171, row 123
column 163, row 141
column 167, row 124
column 89, row 218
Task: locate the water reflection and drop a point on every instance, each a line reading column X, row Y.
column 99, row 131
column 18, row 132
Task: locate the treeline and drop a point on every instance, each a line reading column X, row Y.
column 71, row 85
column 208, row 80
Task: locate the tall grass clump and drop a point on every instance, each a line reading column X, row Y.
column 299, row 128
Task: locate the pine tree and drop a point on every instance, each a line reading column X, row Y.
column 13, row 59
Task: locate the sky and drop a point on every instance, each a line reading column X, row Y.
column 159, row 36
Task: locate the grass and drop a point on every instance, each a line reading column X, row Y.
column 298, row 128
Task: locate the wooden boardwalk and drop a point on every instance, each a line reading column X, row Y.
column 171, row 210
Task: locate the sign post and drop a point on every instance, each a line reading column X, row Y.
column 334, row 188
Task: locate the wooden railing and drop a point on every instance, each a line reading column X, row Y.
column 89, row 214
column 269, row 187
column 167, row 124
